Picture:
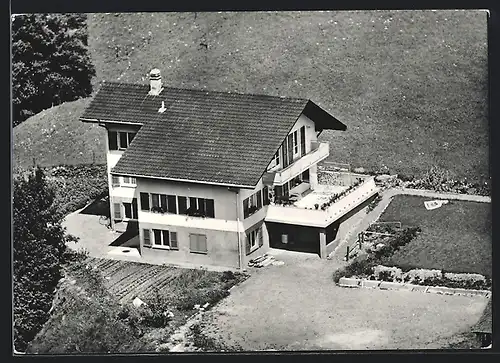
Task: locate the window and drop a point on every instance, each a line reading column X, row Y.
column 165, row 236
column 290, row 148
column 155, row 202
column 265, row 195
column 129, row 180
column 182, row 203
column 302, row 140
column 115, row 181
column 201, row 204
column 117, row 210
column 254, row 239
column 120, row 140
column 157, row 237
column 128, row 210
column 252, row 204
column 123, row 140
column 113, row 140
column 198, row 243
column 131, row 209
column 144, row 201
column 277, row 158
column 201, row 207
column 305, row 176
column 210, row 208
column 171, row 204
column 295, row 143
column 161, row 238
column 147, row 237
column 162, row 203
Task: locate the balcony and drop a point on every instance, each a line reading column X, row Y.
column 319, row 151
column 325, row 204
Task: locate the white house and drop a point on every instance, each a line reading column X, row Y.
column 215, row 178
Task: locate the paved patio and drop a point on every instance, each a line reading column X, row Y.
column 101, row 242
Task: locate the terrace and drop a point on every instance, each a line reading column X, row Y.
column 326, row 203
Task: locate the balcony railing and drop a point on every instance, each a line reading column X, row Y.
column 315, row 215
column 319, row 151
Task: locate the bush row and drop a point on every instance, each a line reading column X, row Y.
column 363, row 265
column 431, row 278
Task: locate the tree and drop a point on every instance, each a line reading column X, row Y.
column 39, row 247
column 50, row 62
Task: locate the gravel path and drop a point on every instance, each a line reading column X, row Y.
column 298, row 307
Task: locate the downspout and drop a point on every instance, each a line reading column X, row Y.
column 240, row 258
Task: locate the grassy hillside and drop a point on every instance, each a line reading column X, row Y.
column 55, row 136
column 410, row 85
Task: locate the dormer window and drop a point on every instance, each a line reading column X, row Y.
column 120, row 140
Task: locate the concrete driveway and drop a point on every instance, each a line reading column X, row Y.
column 297, row 307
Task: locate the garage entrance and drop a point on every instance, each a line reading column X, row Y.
column 293, row 238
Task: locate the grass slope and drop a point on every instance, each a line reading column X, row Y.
column 55, row 136
column 455, row 237
column 410, row 85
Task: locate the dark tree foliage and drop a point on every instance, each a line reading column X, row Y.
column 39, row 249
column 50, row 62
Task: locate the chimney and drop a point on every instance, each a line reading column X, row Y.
column 155, row 86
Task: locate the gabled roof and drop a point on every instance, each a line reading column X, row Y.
column 204, row 136
column 484, row 325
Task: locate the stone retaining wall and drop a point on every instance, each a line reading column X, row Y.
column 384, row 285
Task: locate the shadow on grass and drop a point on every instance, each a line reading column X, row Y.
column 129, row 238
column 99, row 207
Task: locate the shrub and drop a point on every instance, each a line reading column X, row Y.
column 419, row 276
column 364, row 266
column 156, row 312
column 189, row 299
column 358, row 267
column 202, row 341
column 77, row 185
column 467, row 281
column 228, row 276
column 391, row 274
column 406, row 177
column 373, row 204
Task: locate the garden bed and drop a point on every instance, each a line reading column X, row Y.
column 87, row 317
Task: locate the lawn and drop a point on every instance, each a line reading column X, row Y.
column 455, row 237
column 411, row 81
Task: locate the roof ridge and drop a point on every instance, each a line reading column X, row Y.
column 209, row 91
